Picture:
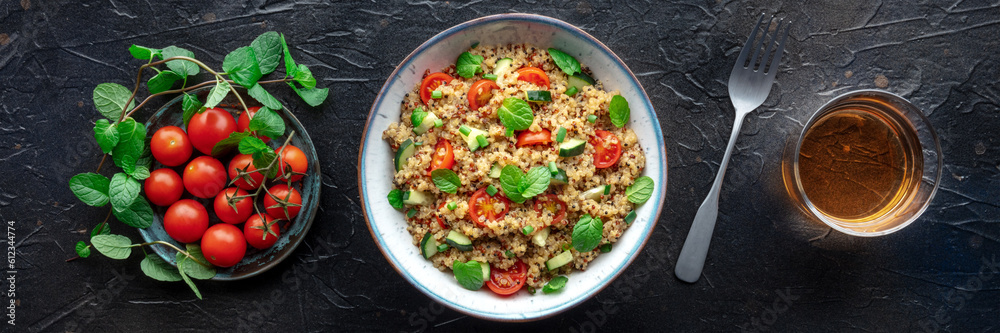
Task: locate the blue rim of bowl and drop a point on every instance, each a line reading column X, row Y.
column 536, row 315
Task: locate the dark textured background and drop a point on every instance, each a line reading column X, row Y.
column 768, row 268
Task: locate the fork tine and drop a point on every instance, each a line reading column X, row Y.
column 781, row 48
column 770, row 46
column 759, row 44
column 746, row 50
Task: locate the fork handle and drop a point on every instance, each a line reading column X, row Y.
column 692, row 258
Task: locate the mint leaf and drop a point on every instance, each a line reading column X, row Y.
column 141, row 172
column 515, row 114
column 82, row 249
column 418, row 116
column 251, row 145
column 131, row 144
column 510, row 178
column 289, row 62
column 101, row 229
column 535, row 182
column 191, row 105
column 145, row 161
column 143, row 53
column 110, row 98
column 304, row 76
column 218, row 92
column 261, row 95
column 468, row 65
column 194, row 269
column 162, row 82
column 556, row 283
column 313, row 97
column 395, row 198
column 469, row 275
column 112, row 246
column 138, row 215
column 446, row 180
column 180, row 270
column 267, row 49
column 91, row 188
column 242, row 66
column 225, row 145
column 123, row 190
column 587, row 233
column 158, row 269
column 106, row 135
column 619, row 110
column 566, row 62
column 268, row 123
column 641, row 190
column 183, row 68
column 265, row 158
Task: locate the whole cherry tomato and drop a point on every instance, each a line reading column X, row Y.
column 236, row 213
column 291, row 159
column 163, row 187
column 209, row 127
column 254, row 230
column 243, row 124
column 170, row 146
column 244, row 163
column 291, row 200
column 185, row 221
column 204, row 177
column 223, row 245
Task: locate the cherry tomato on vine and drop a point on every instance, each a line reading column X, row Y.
column 223, row 245
column 243, row 124
column 607, row 149
column 443, row 158
column 482, row 207
column 185, row 221
column 508, row 281
column 209, row 127
column 163, row 187
column 204, row 177
column 243, row 162
column 291, row 198
column 431, row 83
column 480, row 93
column 254, row 230
column 170, row 146
column 291, row 159
column 527, row 138
column 550, row 204
column 239, row 211
column 533, row 75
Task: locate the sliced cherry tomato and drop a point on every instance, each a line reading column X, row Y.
column 223, row 245
column 607, row 149
column 204, row 177
column 482, row 207
column 431, row 83
column 443, row 158
column 209, row 127
column 533, row 75
column 243, row 207
column 292, row 201
column 292, row 160
column 527, row 138
column 185, row 221
column 438, row 217
column 480, row 93
column 508, row 281
column 550, row 204
column 163, row 187
column 170, row 146
column 254, row 230
column 243, row 124
column 244, row 163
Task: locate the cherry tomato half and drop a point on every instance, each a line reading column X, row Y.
column 607, row 149
column 533, row 75
column 243, row 162
column 204, row 177
column 292, row 201
column 443, row 158
column 163, row 187
column 438, row 217
column 480, row 93
column 508, row 281
column 254, row 230
column 223, row 245
column 243, row 124
column 209, row 127
column 550, row 204
column 185, row 221
column 291, row 159
column 431, row 83
column 527, row 138
column 170, row 146
column 483, row 207
column 243, row 207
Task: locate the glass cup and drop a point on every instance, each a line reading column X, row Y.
column 867, row 163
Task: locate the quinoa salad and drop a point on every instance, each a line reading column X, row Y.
column 515, row 167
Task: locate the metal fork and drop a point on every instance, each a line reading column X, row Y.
column 749, row 85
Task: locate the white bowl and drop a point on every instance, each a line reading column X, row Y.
column 375, row 167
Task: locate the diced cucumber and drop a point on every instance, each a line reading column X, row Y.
column 486, row 270
column 416, row 198
column 540, row 237
column 495, row 171
column 560, row 260
column 423, row 125
column 560, row 177
column 458, row 240
column 472, row 137
column 594, row 193
column 538, row 96
column 406, row 150
column 579, row 80
column 572, row 147
column 502, row 68
column 428, row 246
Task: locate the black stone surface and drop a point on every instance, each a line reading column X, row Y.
column 769, row 267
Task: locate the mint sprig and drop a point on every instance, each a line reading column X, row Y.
column 515, row 114
column 446, row 180
column 641, row 190
column 469, row 274
column 468, row 65
column 619, row 111
column 587, row 233
column 519, row 187
column 566, row 62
